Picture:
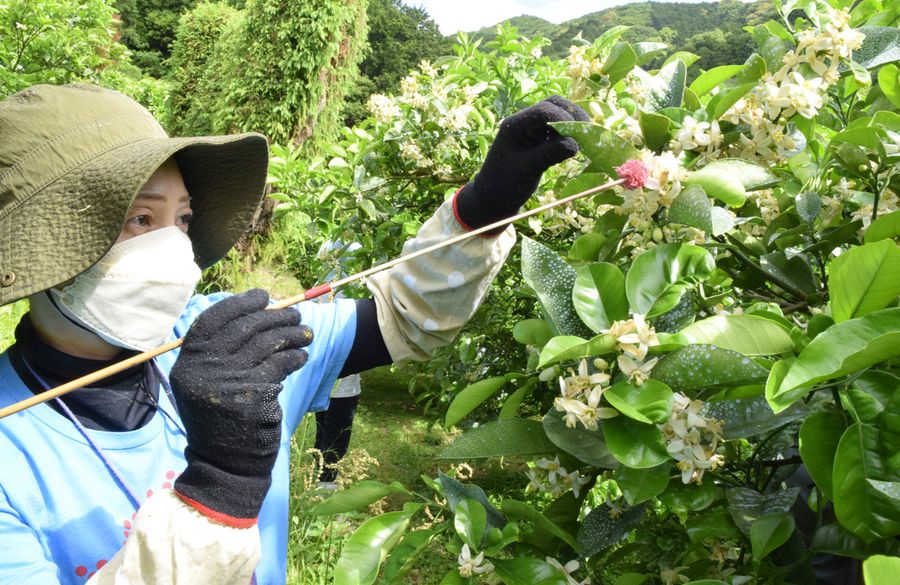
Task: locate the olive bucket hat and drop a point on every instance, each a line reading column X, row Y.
column 72, row 160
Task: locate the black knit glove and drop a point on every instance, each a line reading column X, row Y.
column 524, row 148
column 226, row 383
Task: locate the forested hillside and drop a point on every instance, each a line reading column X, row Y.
column 712, row 30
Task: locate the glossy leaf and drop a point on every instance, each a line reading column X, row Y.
column 534, row 332
column 470, row 520
column 655, row 129
column 600, row 530
column 605, row 149
column 515, row 509
column 881, row 45
column 588, row 446
column 695, row 367
column 500, row 438
column 750, row 335
column 651, row 402
column 842, row 349
column 769, row 532
column 522, row 570
column 660, row 276
column 746, row 505
column 471, row 397
column 808, row 204
column 634, row 443
column 819, row 437
column 870, row 395
column 752, row 177
column 552, row 279
column 599, row 295
column 726, row 188
column 864, row 279
column 567, row 347
column 357, row 496
column 405, row 554
column 708, row 80
column 363, row 552
column 723, row 101
column 749, row 417
column 833, row 539
column 886, row 226
column 620, row 61
column 881, row 570
column 640, row 485
column 666, row 88
column 692, row 208
column 860, row 503
column 889, row 82
column 712, row 524
column 455, row 492
column 796, row 271
column 683, row 498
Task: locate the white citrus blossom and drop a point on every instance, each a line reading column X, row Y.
column 692, row 439
column 636, row 371
column 567, row 570
column 383, row 108
column 547, row 475
column 634, row 336
column 469, row 566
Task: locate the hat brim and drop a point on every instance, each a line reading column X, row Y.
column 70, row 224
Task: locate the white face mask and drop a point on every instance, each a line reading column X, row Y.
column 134, row 295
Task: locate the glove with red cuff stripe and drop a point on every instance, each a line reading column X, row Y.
column 226, row 383
column 524, row 148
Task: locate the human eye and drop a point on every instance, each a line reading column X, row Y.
column 142, row 220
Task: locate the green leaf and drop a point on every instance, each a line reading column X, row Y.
column 870, row 395
column 682, row 498
column 886, row 226
column 769, row 532
column 881, row 45
column 587, row 247
column 749, row 417
column 692, row 207
column 634, row 443
column 471, row 397
column 599, row 295
column 470, row 519
column 750, row 335
column 795, row 271
column 842, row 349
column 552, row 279
column 517, row 509
column 712, row 524
column 651, row 402
column 708, row 80
column 746, row 505
column 456, row 492
column 605, row 149
column 808, row 204
column 860, row 503
column 833, row 539
column 881, row 570
column 660, row 276
column 534, row 332
column 889, row 82
column 364, row 551
column 648, row 50
column 600, row 530
column 640, row 485
column 405, row 555
column 729, row 179
column 511, row 405
column 567, row 347
column 501, row 438
column 695, row 367
column 666, row 88
column 864, row 279
column 655, row 130
column 620, row 61
column 722, row 102
column 357, row 496
column 522, row 570
column 588, row 446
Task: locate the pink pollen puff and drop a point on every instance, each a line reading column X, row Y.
column 634, row 172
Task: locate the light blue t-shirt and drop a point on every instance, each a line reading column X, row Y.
column 63, row 514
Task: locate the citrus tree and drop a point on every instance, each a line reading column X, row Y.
column 712, row 357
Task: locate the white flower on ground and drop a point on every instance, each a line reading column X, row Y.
column 469, row 566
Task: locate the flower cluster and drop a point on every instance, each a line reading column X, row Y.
column 661, row 188
column 580, row 395
column 692, row 439
column 383, row 108
column 469, row 566
column 581, row 66
column 694, row 135
column 548, row 475
column 635, row 338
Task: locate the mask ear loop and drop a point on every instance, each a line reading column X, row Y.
column 136, row 503
column 164, row 382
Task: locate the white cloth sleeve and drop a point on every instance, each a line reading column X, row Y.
column 423, row 303
column 173, row 543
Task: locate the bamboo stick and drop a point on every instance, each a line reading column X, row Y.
column 311, row 293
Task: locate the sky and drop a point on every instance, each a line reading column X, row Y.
column 469, row 15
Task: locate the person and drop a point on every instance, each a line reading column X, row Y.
column 177, row 470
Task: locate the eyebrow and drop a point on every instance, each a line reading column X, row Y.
column 154, row 196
